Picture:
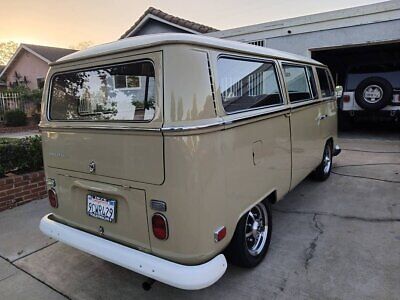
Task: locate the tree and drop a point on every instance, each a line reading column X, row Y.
column 82, row 45
column 7, row 49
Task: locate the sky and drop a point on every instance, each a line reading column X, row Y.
column 69, row 22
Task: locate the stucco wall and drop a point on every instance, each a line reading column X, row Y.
column 362, row 34
column 376, row 23
column 29, row 65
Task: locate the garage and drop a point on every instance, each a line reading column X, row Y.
column 343, row 59
column 363, row 41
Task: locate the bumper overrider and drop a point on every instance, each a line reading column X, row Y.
column 336, row 150
column 174, row 274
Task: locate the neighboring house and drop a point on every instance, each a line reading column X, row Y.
column 29, row 65
column 3, row 85
column 156, row 21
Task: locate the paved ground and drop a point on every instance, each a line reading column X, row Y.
column 339, row 239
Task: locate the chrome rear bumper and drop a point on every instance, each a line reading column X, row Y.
column 177, row 275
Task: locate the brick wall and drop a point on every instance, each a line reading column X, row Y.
column 19, row 189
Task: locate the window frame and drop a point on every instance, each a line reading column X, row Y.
column 126, row 81
column 94, row 68
column 304, row 66
column 250, row 59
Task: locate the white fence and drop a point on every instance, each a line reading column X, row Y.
column 10, row 101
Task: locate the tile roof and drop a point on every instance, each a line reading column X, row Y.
column 50, row 53
column 200, row 28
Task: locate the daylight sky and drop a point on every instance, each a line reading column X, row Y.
column 69, row 22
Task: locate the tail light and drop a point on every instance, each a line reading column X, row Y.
column 346, row 98
column 160, row 226
column 53, row 198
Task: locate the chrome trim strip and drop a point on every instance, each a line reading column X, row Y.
column 191, row 127
column 99, row 128
column 243, row 118
column 236, row 118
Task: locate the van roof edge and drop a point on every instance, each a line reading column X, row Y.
column 152, row 40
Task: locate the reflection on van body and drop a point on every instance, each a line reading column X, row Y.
column 172, row 148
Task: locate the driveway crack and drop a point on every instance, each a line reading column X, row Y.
column 313, row 245
column 347, row 217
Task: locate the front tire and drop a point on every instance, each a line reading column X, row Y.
column 323, row 171
column 252, row 237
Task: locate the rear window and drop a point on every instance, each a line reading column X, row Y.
column 325, row 83
column 247, row 84
column 123, row 92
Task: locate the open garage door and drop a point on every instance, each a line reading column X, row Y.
column 370, row 75
column 341, row 60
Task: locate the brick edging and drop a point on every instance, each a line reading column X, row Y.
column 16, row 190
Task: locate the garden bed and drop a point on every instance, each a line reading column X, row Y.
column 21, row 171
column 32, row 126
column 17, row 189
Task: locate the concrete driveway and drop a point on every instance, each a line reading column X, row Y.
column 337, row 239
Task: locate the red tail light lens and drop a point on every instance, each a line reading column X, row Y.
column 160, row 226
column 346, row 98
column 53, row 198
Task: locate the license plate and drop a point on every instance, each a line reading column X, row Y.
column 101, row 208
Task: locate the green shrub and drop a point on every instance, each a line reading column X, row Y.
column 15, row 118
column 25, row 155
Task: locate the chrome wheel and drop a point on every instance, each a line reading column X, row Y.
column 256, row 229
column 327, row 161
column 373, row 93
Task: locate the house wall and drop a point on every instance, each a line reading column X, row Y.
column 153, row 26
column 29, row 65
column 376, row 23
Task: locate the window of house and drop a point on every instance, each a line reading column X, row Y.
column 40, row 83
column 91, row 95
column 325, row 83
column 260, row 43
column 127, row 82
column 297, row 83
column 247, row 84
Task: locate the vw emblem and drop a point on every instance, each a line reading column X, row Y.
column 92, row 167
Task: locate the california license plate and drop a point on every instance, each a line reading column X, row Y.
column 101, row 208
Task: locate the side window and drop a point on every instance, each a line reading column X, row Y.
column 296, row 78
column 247, row 84
column 325, row 83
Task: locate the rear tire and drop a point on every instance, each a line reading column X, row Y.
column 252, row 237
column 323, row 171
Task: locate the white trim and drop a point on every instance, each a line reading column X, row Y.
column 22, row 46
column 177, row 275
column 151, row 16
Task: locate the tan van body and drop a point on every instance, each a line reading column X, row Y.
column 207, row 165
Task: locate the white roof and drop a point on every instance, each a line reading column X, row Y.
column 150, row 40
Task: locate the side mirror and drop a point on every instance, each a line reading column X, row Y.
column 339, row 91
